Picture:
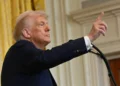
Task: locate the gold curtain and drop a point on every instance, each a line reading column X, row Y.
column 38, row 4
column 9, row 10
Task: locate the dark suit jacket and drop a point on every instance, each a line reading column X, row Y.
column 25, row 65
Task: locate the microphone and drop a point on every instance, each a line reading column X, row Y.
column 99, row 53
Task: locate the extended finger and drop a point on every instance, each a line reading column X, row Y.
column 100, row 16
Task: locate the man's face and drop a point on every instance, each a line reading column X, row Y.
column 40, row 31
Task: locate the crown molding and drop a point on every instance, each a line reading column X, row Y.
column 87, row 14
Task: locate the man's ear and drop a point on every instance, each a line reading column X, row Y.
column 26, row 33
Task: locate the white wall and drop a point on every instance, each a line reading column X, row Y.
column 69, row 21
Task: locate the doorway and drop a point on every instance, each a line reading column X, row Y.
column 115, row 67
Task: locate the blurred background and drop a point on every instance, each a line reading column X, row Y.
column 71, row 19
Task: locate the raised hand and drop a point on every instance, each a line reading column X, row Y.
column 99, row 27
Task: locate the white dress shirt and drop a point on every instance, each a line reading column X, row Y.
column 87, row 42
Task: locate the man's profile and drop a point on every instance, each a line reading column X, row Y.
column 27, row 63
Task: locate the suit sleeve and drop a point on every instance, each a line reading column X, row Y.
column 35, row 59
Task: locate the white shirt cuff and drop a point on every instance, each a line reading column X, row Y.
column 87, row 42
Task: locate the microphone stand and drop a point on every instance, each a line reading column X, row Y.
column 106, row 62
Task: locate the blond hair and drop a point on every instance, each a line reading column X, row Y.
column 24, row 20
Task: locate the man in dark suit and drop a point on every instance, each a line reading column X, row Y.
column 27, row 63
